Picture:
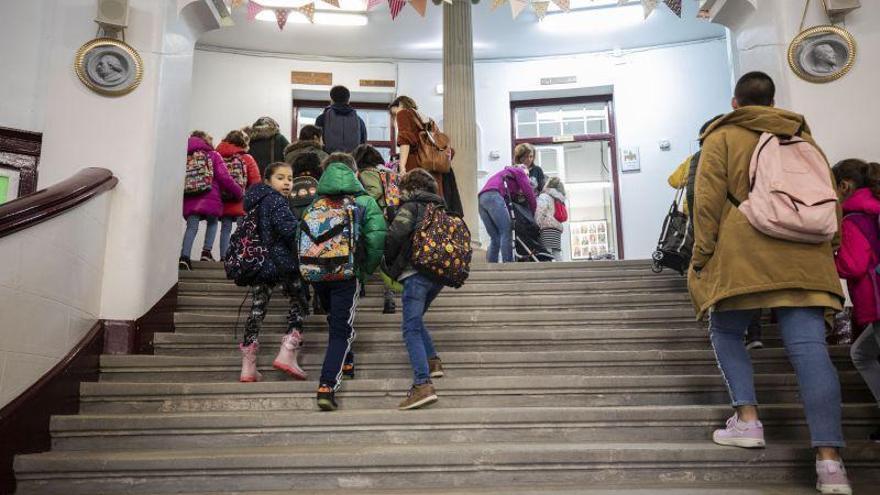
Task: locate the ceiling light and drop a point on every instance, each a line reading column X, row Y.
column 323, row 18
column 591, row 21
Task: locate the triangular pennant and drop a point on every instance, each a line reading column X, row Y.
column 236, row 3
column 308, row 10
column 281, row 17
column 420, row 6
column 563, row 4
column 253, row 9
column 517, row 6
column 649, row 6
column 674, row 6
column 497, row 3
column 372, row 4
column 540, row 9
column 334, row 3
column 396, row 6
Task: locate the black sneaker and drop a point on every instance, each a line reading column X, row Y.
column 327, row 398
column 206, row 256
column 363, row 292
column 875, row 437
column 184, row 264
column 390, row 308
column 348, row 371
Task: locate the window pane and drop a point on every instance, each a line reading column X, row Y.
column 595, row 126
column 550, row 129
column 378, row 124
column 573, row 127
column 524, row 115
column 527, row 131
column 546, row 159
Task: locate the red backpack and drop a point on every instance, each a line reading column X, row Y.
column 560, row 213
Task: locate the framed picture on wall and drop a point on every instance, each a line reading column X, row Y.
column 589, row 239
column 9, row 178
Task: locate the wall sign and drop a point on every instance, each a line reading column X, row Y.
column 629, row 159
column 311, row 78
column 377, row 83
column 550, row 81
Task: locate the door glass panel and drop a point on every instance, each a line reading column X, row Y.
column 557, row 120
column 378, row 124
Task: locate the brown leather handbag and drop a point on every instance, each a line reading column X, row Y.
column 434, row 152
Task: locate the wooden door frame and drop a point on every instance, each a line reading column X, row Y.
column 20, row 151
column 610, row 137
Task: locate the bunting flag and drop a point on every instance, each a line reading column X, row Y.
column 674, row 5
column 253, row 9
column 704, row 15
column 565, row 5
column 372, row 4
column 541, row 9
column 517, row 6
column 281, row 17
column 497, row 3
column 649, row 6
column 420, row 6
column 396, row 6
column 307, row 10
column 236, row 3
column 334, row 3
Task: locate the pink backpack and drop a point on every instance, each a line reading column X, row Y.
column 791, row 196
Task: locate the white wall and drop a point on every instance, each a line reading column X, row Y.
column 25, row 28
column 50, row 289
column 662, row 93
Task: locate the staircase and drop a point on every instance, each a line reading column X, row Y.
column 559, row 378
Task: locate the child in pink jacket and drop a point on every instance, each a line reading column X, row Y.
column 858, row 184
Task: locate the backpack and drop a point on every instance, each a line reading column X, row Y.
column 237, row 170
column 434, row 153
column 676, row 244
column 390, row 187
column 791, row 196
column 560, row 213
column 199, row 173
column 247, row 252
column 441, row 247
column 303, row 193
column 329, row 234
column 341, row 132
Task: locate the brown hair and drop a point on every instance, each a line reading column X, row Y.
column 418, row 179
column 273, row 167
column 404, row 102
column 555, row 183
column 338, row 157
column 238, row 138
column 859, row 172
column 201, row 135
column 521, row 151
column 367, row 156
column 310, row 133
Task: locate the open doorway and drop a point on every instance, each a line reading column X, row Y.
column 575, row 141
column 380, row 129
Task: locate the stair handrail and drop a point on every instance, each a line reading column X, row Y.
column 33, row 209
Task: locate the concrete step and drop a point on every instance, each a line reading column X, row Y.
column 497, row 391
column 142, row 368
column 663, row 423
column 454, row 302
column 319, row 467
column 478, row 266
column 544, row 339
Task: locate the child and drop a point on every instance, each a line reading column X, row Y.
column 278, row 229
column 207, row 180
column 244, row 171
column 311, row 140
column 418, row 190
column 858, row 185
column 306, row 173
column 550, row 214
column 339, row 297
column 371, row 166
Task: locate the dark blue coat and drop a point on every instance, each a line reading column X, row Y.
column 278, row 228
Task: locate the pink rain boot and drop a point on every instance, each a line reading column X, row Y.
column 249, row 371
column 287, row 356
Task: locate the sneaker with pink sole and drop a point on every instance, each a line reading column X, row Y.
column 740, row 434
column 831, row 478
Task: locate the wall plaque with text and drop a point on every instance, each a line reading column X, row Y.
column 311, row 78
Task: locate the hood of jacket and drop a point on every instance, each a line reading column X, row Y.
column 255, row 194
column 341, row 108
column 197, row 144
column 227, row 149
column 303, row 146
column 421, row 197
column 264, row 128
column 762, row 119
column 555, row 194
column 339, row 179
column 862, row 201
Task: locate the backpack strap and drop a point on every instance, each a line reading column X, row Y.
column 732, row 199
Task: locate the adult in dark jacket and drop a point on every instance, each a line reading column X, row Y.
column 343, row 129
column 311, row 140
column 267, row 143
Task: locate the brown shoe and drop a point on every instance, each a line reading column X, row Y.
column 419, row 396
column 435, row 366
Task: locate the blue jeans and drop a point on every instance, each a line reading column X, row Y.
column 226, row 224
column 418, row 294
column 496, row 218
column 192, row 228
column 803, row 335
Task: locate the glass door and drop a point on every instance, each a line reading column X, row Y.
column 380, row 132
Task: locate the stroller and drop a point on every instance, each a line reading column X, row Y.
column 526, row 233
column 676, row 244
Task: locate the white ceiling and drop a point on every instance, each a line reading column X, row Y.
column 496, row 34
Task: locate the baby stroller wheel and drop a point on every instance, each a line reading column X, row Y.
column 658, row 255
column 656, row 267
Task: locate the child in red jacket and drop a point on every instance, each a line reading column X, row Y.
column 244, row 171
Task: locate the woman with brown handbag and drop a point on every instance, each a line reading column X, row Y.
column 420, row 143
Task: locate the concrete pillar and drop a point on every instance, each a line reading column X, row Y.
column 459, row 109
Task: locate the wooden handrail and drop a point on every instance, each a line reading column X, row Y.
column 54, row 200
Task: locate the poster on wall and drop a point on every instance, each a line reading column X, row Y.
column 629, row 159
column 589, row 239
